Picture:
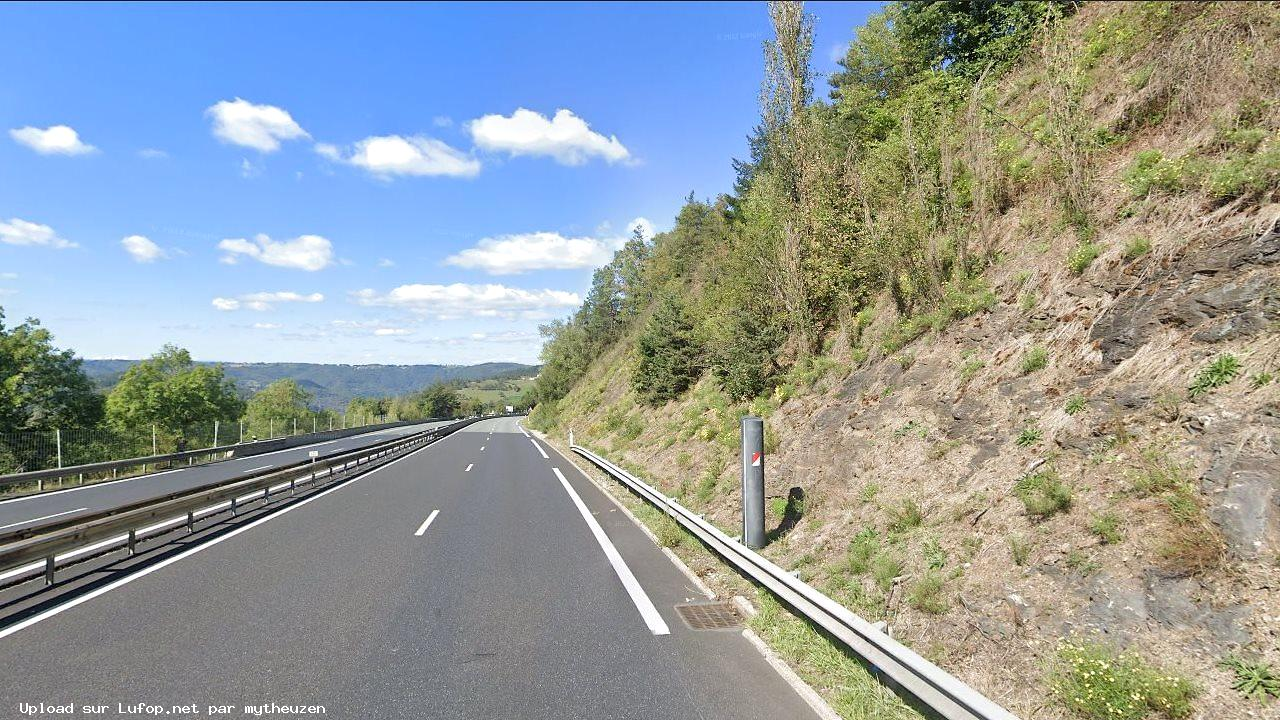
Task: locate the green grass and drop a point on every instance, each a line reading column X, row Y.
column 926, row 594
column 1107, row 527
column 1098, row 683
column 778, row 506
column 1261, row 380
column 1037, row 358
column 1082, row 256
column 885, row 566
column 1043, row 494
column 1074, row 405
column 933, row 554
column 1136, row 248
column 1254, row 679
column 1152, row 171
column 905, row 516
column 1082, row 563
column 862, row 549
column 970, row 368
column 1159, row 473
column 1224, row 368
column 868, row 492
column 1029, row 436
column 851, row 690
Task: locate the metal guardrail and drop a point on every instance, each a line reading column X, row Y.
column 32, row 551
column 113, row 466
column 923, row 683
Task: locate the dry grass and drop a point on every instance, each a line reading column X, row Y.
column 836, row 439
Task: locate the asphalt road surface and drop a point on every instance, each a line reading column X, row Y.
column 480, row 577
column 19, row 512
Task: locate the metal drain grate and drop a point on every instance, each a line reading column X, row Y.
column 714, row 615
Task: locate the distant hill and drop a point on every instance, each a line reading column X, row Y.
column 335, row 385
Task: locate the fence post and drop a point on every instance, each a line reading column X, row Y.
column 57, row 435
column 330, row 423
column 295, row 426
column 215, row 434
column 154, row 447
column 313, row 424
column 271, row 428
column 242, row 431
column 753, row 481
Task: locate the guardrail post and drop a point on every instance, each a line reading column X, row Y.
column 191, row 521
column 753, row 482
column 133, row 542
column 49, row 564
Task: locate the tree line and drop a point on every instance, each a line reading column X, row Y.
column 888, row 186
column 171, row 401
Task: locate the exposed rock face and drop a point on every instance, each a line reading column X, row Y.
column 1191, row 295
column 1243, row 482
column 1121, row 606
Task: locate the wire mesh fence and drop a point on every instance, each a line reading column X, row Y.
column 27, row 450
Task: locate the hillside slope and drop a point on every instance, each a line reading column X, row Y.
column 1074, row 452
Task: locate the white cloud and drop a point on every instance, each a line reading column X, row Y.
column 54, row 140
column 515, row 254
column 565, row 137
column 152, row 154
column 442, row 121
column 384, row 332
column 266, row 326
column 249, row 169
column 390, row 155
column 261, row 127
column 308, row 252
column 510, row 336
column 21, row 232
column 8, row 276
column 646, row 228
column 386, row 263
column 526, row 252
column 142, row 249
column 261, row 301
column 458, row 300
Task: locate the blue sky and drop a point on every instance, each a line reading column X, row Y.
column 354, row 183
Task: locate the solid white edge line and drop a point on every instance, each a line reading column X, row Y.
column 652, row 618
column 469, row 467
column 481, row 448
column 540, row 450
column 58, row 609
column 426, row 523
column 46, row 517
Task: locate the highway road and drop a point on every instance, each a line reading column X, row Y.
column 16, row 513
column 480, row 577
